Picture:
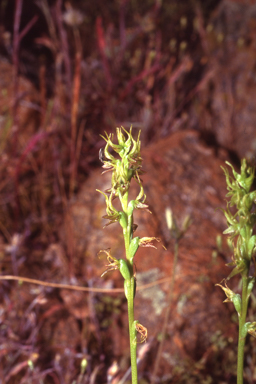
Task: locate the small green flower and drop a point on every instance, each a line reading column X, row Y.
column 252, row 329
column 142, row 206
column 112, row 214
column 232, row 297
column 241, row 223
column 149, row 242
column 115, row 264
column 240, row 184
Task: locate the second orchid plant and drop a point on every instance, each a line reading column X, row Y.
column 241, row 226
column 123, row 160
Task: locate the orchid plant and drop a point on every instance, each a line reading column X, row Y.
column 124, row 161
column 241, row 226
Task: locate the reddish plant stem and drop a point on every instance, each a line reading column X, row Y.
column 64, row 44
column 28, row 27
column 74, row 112
column 122, row 30
column 17, row 37
column 29, row 148
column 102, row 48
column 15, row 60
column 137, row 78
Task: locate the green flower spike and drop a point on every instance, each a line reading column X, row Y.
column 240, row 229
column 123, row 159
column 129, row 163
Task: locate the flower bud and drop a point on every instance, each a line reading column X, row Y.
column 168, row 217
column 148, row 242
column 232, row 297
column 124, row 269
column 251, row 328
column 134, row 245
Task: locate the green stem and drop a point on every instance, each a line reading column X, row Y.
column 130, row 292
column 241, row 337
column 130, row 287
column 126, row 231
column 124, row 200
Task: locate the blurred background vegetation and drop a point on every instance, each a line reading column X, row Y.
column 70, row 71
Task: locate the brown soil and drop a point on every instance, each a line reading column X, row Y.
column 184, row 75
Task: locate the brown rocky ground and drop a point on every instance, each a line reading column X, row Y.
column 187, row 79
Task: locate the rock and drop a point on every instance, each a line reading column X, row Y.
column 226, row 106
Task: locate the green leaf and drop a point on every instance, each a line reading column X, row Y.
column 251, row 282
column 133, row 247
column 238, row 269
column 236, row 299
column 124, row 269
column 251, row 245
column 244, row 330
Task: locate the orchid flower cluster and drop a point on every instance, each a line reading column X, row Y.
column 124, row 160
column 124, row 169
column 241, row 225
